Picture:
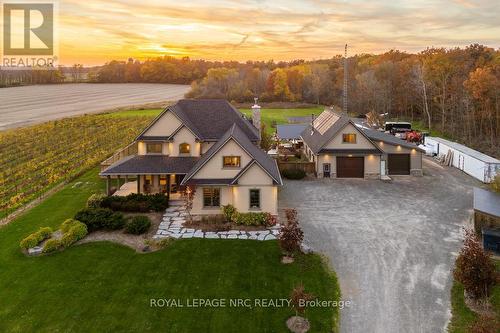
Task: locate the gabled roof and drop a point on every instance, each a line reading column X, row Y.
column 208, row 119
column 331, row 125
column 259, row 156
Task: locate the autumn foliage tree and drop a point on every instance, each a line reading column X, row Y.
column 291, row 235
column 474, row 268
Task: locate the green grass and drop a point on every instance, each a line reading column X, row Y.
column 281, row 115
column 107, row 287
column 136, row 113
column 462, row 316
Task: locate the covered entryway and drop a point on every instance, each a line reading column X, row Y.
column 350, row 167
column 399, row 164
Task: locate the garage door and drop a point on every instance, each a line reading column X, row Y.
column 350, row 167
column 399, row 164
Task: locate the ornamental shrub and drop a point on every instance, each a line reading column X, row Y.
column 74, row 234
column 138, row 225
column 95, row 200
column 255, row 219
column 35, row 238
column 100, row 218
column 136, row 203
column 228, row 211
column 51, row 245
column 293, row 174
column 66, row 225
column 291, row 235
column 474, row 267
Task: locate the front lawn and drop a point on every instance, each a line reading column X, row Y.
column 462, row 316
column 107, row 287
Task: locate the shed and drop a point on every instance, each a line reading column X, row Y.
column 486, row 211
column 470, row 161
column 290, row 131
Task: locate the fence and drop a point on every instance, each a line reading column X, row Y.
column 307, row 167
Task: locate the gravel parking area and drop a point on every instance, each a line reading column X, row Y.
column 392, row 244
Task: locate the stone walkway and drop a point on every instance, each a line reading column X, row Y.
column 175, row 216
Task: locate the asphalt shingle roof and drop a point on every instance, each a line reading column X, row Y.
column 487, row 202
column 315, row 140
column 151, row 164
column 211, row 118
column 388, row 138
column 290, row 131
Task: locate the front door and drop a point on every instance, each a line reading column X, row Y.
column 326, row 170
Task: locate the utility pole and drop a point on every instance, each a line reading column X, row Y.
column 345, row 81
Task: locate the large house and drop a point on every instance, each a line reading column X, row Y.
column 209, row 147
column 341, row 149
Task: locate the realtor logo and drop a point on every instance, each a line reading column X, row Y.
column 28, row 34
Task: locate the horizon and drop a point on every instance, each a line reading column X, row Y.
column 98, row 31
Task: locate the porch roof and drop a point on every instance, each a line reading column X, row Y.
column 150, row 165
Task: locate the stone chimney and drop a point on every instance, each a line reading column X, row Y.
column 256, row 116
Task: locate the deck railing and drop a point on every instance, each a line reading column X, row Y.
column 131, row 149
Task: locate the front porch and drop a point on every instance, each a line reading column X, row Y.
column 168, row 184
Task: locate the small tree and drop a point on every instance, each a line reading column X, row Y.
column 474, row 267
column 298, row 299
column 188, row 200
column 291, row 235
column 266, row 140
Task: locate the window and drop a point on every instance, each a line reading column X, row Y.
column 153, row 148
column 254, row 199
column 211, row 197
column 349, row 138
column 231, row 161
column 184, row 148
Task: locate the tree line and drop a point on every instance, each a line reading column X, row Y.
column 453, row 91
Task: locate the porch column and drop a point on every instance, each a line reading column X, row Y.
column 118, row 182
column 126, row 178
column 168, row 187
column 107, row 185
column 138, row 184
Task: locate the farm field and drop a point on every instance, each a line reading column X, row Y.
column 33, row 159
column 109, row 286
column 22, row 106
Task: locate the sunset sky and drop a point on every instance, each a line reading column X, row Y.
column 95, row 31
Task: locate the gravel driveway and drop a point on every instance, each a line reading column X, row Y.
column 392, row 244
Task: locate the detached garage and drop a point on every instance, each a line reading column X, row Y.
column 398, row 164
column 350, row 167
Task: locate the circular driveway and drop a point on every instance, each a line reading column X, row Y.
column 392, row 245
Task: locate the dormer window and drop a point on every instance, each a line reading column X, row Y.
column 184, row 148
column 349, row 138
column 153, row 148
column 231, row 161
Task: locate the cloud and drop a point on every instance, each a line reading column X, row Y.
column 249, row 29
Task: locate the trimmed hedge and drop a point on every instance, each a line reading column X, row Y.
column 137, row 225
column 36, row 238
column 100, row 218
column 68, row 224
column 136, row 203
column 293, row 174
column 51, row 245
